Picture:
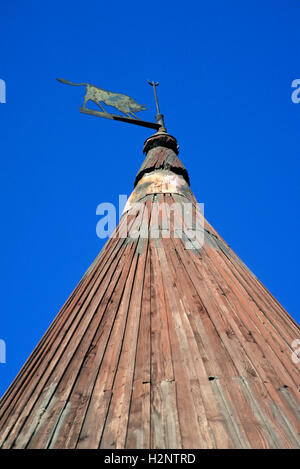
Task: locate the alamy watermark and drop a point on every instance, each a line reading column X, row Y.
column 296, row 353
column 183, row 220
column 2, row 91
column 296, row 93
column 2, row 351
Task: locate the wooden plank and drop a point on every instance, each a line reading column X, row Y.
column 239, row 358
column 261, row 297
column 94, row 421
column 248, row 312
column 86, row 354
column 193, row 421
column 138, row 433
column 161, row 356
column 212, row 347
column 42, row 349
column 85, row 382
column 164, row 416
column 62, row 336
column 64, row 347
column 115, row 430
column 205, row 365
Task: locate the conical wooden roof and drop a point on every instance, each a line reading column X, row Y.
column 168, row 341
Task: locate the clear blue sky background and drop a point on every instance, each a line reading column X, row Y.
column 225, row 71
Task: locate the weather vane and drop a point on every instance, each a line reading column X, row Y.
column 119, row 101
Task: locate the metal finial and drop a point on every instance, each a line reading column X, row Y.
column 159, row 117
column 152, row 83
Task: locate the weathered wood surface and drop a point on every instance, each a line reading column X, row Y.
column 166, row 342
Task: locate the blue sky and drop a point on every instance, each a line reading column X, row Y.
column 225, row 71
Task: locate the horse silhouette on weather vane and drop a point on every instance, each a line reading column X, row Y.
column 119, row 101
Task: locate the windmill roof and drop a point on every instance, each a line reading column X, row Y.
column 168, row 341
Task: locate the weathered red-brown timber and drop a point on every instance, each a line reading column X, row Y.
column 166, row 342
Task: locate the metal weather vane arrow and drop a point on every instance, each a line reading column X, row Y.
column 119, row 101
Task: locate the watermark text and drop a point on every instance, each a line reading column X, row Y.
column 2, row 351
column 2, row 91
column 161, row 219
column 296, row 353
column 296, row 93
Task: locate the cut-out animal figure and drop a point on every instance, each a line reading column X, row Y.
column 122, row 102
